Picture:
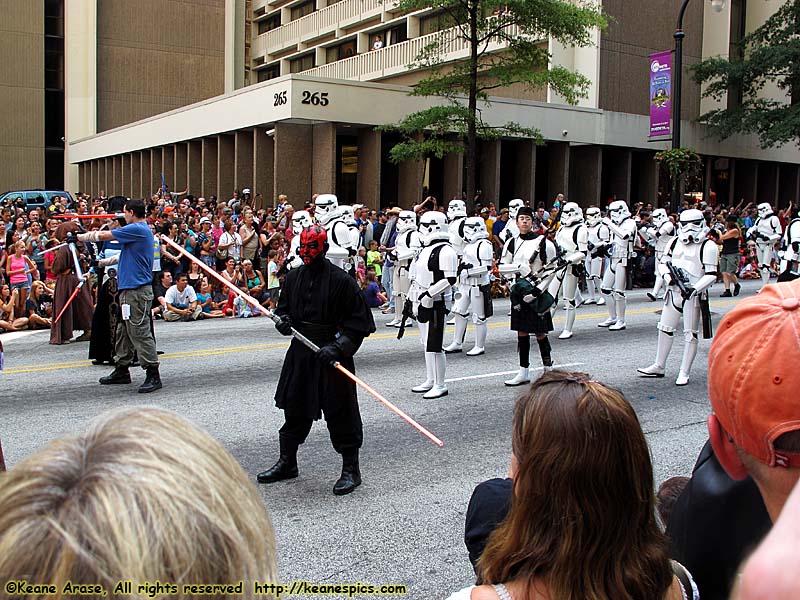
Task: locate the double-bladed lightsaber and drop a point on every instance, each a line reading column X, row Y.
column 303, row 340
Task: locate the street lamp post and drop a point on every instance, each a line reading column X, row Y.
column 717, row 5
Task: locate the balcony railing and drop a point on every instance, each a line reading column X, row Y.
column 394, row 59
column 319, row 23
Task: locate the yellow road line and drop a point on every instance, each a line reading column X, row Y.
column 410, row 332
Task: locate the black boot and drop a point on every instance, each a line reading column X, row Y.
column 120, row 374
column 544, row 350
column 152, row 382
column 351, row 476
column 285, row 468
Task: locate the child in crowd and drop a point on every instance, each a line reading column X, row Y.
column 205, row 301
column 273, row 283
column 372, row 291
column 374, row 259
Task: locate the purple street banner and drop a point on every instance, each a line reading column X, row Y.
column 660, row 90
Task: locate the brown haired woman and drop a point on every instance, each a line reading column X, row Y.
column 582, row 521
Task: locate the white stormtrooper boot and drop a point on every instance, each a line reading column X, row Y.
column 458, row 337
column 426, row 385
column 439, row 388
column 689, row 352
column 664, row 346
column 620, row 324
column 480, row 339
column 568, row 324
column 520, row 378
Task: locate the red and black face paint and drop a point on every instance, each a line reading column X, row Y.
column 313, row 243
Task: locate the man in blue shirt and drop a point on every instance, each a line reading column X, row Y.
column 135, row 277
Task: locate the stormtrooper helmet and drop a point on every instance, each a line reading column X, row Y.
column 406, row 221
column 456, row 210
column 300, row 220
column 660, row 217
column 348, row 214
column 572, row 214
column 593, row 216
column 693, row 227
column 326, row 208
column 764, row 210
column 514, row 206
column 433, row 227
column 618, row 211
column 475, row 229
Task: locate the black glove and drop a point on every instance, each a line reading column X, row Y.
column 284, row 326
column 71, row 238
column 329, row 354
column 465, row 267
column 688, row 292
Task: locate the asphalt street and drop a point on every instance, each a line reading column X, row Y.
column 405, row 523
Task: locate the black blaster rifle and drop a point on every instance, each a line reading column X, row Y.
column 408, row 313
column 677, row 275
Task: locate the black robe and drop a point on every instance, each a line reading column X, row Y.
column 320, row 300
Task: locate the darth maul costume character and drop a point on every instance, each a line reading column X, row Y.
column 325, row 304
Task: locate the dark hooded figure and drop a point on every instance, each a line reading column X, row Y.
column 78, row 314
column 325, row 304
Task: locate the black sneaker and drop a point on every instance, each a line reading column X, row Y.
column 726, row 294
column 736, row 288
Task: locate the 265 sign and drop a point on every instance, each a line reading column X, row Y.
column 280, row 98
column 315, row 98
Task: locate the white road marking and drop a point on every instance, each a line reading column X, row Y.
column 499, row 373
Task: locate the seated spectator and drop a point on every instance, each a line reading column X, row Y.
column 142, row 495
column 8, row 301
column 254, row 281
column 206, row 302
column 582, row 517
column 39, row 307
column 159, row 292
column 372, row 291
column 181, row 301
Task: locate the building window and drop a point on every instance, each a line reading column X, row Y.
column 303, row 63
column 397, row 34
column 303, row 9
column 270, row 23
column 735, row 48
column 345, row 50
column 434, row 23
column 271, row 72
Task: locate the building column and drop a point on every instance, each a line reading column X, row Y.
column 525, row 167
column 209, row 170
column 146, row 173
column 107, row 173
column 323, row 161
column 746, row 181
column 453, row 176
column 156, row 169
column 411, row 176
column 243, row 160
column 293, row 170
column 489, row 165
column 168, row 168
column 136, row 175
column 369, row 167
column 125, row 188
column 225, row 165
column 558, row 177
column 181, row 181
column 586, row 177
column 263, row 166
column 194, row 167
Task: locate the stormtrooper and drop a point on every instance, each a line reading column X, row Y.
column 623, row 233
column 598, row 243
column 474, row 296
column 689, row 266
column 660, row 235
column 456, row 213
column 300, row 220
column 511, row 229
column 527, row 259
column 407, row 245
column 349, row 218
column 433, row 273
column 766, row 231
column 791, row 252
column 572, row 242
column 340, row 241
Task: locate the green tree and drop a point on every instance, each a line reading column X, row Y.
column 506, row 43
column 769, row 54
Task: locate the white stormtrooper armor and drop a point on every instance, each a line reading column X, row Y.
column 511, row 229
column 433, row 272
column 300, row 220
column 340, row 241
column 348, row 215
column 474, row 295
column 598, row 240
column 791, row 251
column 572, row 241
column 660, row 235
column 623, row 233
column 456, row 213
column 695, row 258
column 766, row 231
column 407, row 246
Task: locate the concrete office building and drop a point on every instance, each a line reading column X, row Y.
column 282, row 96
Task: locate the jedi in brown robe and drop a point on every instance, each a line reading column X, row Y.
column 79, row 313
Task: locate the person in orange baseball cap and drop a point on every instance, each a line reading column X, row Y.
column 753, row 383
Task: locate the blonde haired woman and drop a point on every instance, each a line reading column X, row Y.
column 142, row 495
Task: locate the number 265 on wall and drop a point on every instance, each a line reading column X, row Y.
column 313, row 98
column 280, row 98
